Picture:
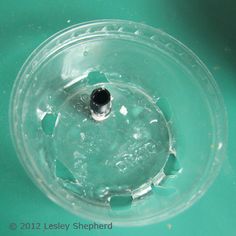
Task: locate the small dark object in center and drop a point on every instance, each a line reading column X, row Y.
column 101, row 96
column 100, row 101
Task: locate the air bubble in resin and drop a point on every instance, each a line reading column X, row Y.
column 115, row 156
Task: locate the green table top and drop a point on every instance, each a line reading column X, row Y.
column 205, row 26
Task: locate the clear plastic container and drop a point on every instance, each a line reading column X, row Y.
column 158, row 147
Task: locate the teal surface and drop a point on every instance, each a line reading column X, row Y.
column 205, row 26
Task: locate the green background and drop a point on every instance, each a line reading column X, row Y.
column 208, row 27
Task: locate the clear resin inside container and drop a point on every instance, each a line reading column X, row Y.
column 117, row 121
column 104, row 157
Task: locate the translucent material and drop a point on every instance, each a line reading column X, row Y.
column 105, row 157
column 155, row 153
